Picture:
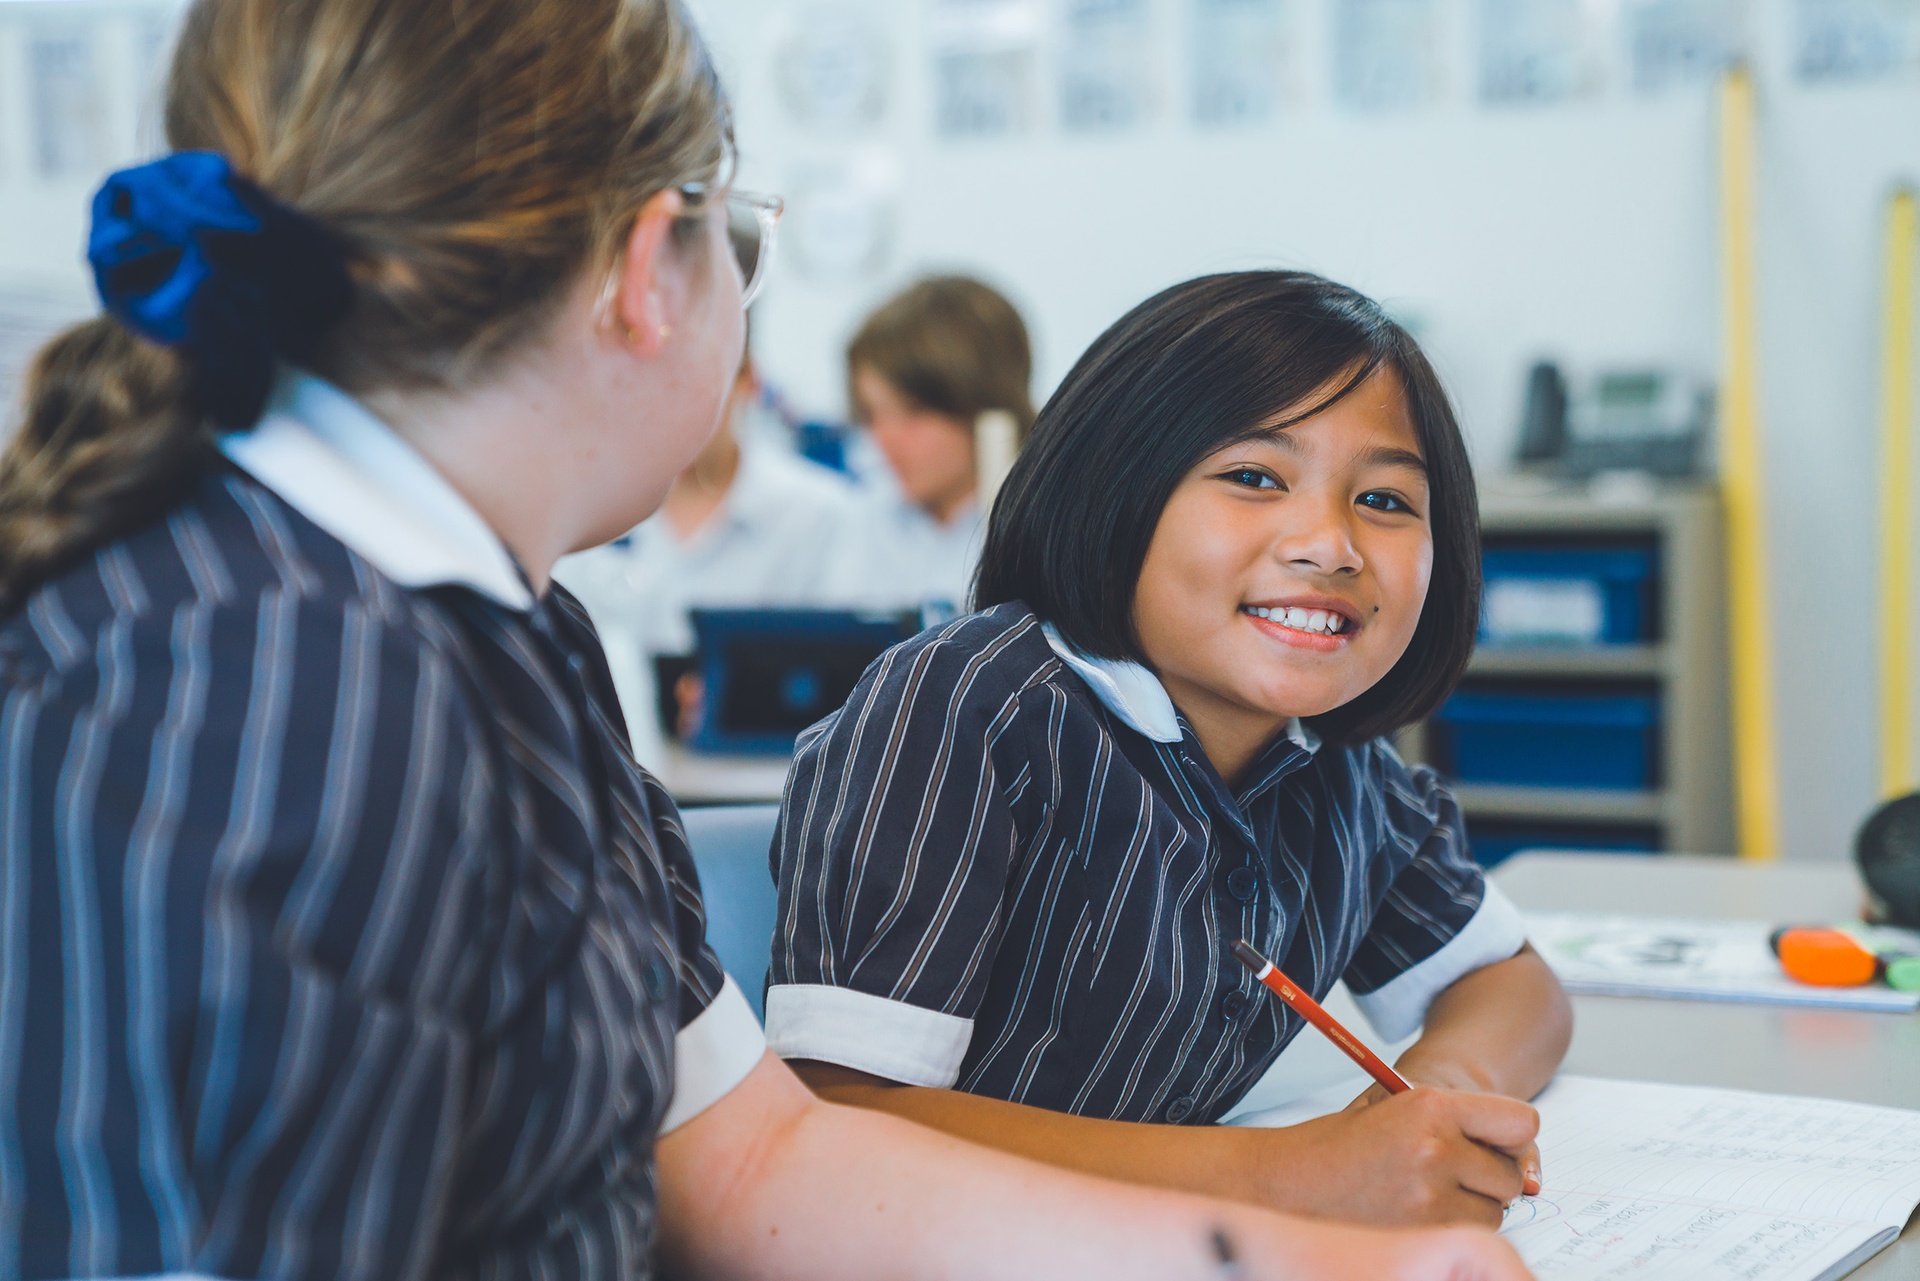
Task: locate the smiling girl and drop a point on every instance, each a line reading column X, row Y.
column 1241, row 549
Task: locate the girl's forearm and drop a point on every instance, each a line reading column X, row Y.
column 1422, row 1159
column 771, row 1183
column 774, row 1183
column 896, row 1200
column 1208, row 1160
column 1502, row 1030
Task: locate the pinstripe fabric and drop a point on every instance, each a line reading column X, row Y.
column 340, row 935
column 975, row 834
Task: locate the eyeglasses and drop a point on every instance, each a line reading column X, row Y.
column 753, row 220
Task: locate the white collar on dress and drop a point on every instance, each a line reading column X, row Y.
column 1136, row 696
column 349, row 473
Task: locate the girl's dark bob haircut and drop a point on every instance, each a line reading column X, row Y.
column 1191, row 371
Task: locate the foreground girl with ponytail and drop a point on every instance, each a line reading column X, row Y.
column 341, row 937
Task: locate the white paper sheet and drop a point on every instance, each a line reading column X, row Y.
column 1855, row 40
column 1106, row 76
column 69, row 109
column 833, row 68
column 1659, row 1182
column 985, row 54
column 1692, row 960
column 1386, row 53
column 1537, row 51
column 842, row 216
column 1682, row 1183
column 1681, row 42
column 1243, row 62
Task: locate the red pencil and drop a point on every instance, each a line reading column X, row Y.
column 1309, row 1009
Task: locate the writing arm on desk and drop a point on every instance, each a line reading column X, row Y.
column 1427, row 1157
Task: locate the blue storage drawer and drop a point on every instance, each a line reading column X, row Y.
column 1569, row 595
column 1530, row 739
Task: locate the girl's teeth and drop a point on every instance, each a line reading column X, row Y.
column 1319, row 621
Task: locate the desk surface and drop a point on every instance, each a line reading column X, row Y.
column 1838, row 1054
column 698, row 778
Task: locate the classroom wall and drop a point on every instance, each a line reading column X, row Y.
column 1583, row 231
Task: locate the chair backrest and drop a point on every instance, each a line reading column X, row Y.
column 730, row 845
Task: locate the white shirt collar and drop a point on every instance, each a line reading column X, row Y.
column 1136, row 696
column 349, row 473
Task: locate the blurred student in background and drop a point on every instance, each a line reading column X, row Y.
column 920, row 372
column 750, row 523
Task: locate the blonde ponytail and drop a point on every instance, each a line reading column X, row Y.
column 464, row 161
column 109, row 441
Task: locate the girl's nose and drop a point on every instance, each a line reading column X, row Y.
column 1318, row 539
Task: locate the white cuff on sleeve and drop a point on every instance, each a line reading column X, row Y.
column 871, row 1034
column 1495, row 933
column 713, row 1054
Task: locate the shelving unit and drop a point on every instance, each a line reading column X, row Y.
column 1683, row 662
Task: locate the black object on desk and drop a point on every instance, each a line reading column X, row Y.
column 1543, row 426
column 769, row 673
column 1888, row 851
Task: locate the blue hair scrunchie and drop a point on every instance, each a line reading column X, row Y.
column 189, row 254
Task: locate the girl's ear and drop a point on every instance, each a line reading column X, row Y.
column 644, row 288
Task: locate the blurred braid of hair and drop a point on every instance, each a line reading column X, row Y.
column 470, row 158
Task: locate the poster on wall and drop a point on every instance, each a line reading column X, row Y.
column 1850, row 40
column 66, row 100
column 1386, row 53
column 1537, row 51
column 841, row 217
column 1243, row 61
column 833, row 68
column 985, row 64
column 1106, row 69
column 1672, row 43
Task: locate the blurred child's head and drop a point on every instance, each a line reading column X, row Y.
column 1254, row 484
column 922, row 370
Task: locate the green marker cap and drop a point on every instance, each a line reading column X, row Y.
column 1903, row 973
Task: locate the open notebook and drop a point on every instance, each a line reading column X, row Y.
column 1681, row 1183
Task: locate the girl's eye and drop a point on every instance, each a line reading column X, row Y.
column 1250, row 477
column 1381, row 500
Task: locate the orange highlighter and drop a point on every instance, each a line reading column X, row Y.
column 1309, row 1009
column 1835, row 958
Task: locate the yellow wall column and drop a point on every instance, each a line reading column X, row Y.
column 1750, row 621
column 1896, row 499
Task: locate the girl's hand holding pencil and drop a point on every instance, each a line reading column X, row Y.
column 1403, row 1153
column 1429, row 1156
column 1430, row 1072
